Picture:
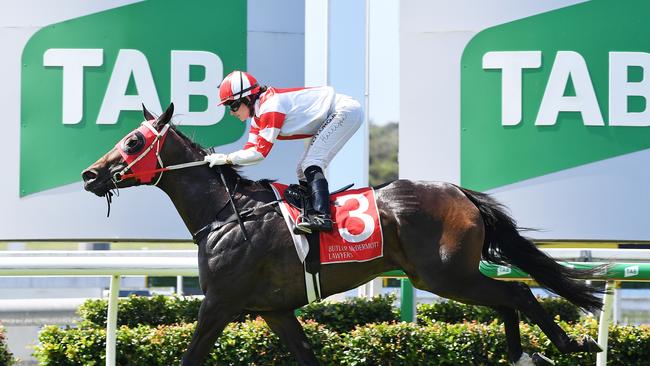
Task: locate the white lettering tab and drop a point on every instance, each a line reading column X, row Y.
column 620, row 89
column 129, row 62
column 569, row 64
column 511, row 64
column 182, row 88
column 73, row 62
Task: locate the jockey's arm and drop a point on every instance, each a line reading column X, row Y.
column 261, row 137
column 248, row 156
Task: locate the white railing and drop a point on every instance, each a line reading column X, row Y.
column 115, row 264
column 101, row 263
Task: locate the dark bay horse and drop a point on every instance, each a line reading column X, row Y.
column 435, row 232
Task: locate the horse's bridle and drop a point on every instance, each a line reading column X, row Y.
column 158, row 136
column 158, row 141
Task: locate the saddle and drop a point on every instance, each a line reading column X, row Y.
column 299, row 196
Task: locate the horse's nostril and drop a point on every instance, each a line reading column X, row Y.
column 88, row 175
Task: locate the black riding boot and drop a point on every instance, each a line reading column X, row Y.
column 319, row 219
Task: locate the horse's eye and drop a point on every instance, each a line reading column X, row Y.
column 134, row 143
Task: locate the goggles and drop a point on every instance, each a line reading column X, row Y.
column 235, row 105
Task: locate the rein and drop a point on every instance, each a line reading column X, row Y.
column 118, row 177
column 160, row 170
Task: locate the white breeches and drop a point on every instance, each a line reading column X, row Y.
column 337, row 129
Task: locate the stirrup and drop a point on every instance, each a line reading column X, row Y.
column 302, row 226
column 316, row 223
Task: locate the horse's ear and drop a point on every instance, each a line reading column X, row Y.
column 166, row 117
column 147, row 115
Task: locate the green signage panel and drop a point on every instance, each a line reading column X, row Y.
column 555, row 91
column 83, row 81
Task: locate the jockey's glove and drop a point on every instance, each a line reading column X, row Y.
column 217, row 159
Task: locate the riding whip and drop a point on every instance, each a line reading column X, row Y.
column 232, row 204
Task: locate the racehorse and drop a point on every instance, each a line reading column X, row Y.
column 435, row 232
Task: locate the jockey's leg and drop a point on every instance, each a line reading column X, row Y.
column 337, row 129
column 320, row 219
column 300, row 171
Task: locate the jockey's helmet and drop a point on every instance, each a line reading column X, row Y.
column 237, row 85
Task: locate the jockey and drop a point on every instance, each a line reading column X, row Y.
column 327, row 118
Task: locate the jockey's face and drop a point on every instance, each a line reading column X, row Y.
column 242, row 112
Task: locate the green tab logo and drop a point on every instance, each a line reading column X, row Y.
column 83, row 81
column 555, row 91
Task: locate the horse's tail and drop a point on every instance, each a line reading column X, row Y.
column 504, row 245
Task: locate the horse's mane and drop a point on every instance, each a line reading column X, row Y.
column 230, row 170
column 193, row 145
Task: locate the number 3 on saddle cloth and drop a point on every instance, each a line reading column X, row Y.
column 356, row 236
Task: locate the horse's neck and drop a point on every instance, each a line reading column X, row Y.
column 197, row 194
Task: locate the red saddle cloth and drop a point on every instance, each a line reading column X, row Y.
column 356, row 236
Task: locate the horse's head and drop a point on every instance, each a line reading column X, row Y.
column 133, row 160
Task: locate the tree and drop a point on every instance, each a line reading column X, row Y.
column 383, row 153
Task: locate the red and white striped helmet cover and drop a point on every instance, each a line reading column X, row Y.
column 236, row 85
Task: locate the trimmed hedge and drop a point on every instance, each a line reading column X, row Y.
column 166, row 310
column 455, row 312
column 139, row 310
column 6, row 358
column 157, row 330
column 346, row 315
column 252, row 343
column 246, row 343
column 338, row 316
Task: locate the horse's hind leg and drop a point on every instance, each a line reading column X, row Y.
column 528, row 304
column 513, row 340
column 212, row 320
column 513, row 336
column 481, row 290
column 285, row 325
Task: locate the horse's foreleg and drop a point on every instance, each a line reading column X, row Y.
column 212, row 320
column 285, row 325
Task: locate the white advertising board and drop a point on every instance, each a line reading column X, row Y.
column 70, row 73
column 543, row 104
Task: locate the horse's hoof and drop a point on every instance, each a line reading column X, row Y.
column 524, row 360
column 590, row 345
column 541, row 360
